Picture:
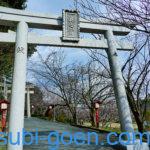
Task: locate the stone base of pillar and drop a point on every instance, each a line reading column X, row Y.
column 138, row 146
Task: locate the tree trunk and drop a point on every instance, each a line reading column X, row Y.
column 74, row 116
column 139, row 123
column 134, row 110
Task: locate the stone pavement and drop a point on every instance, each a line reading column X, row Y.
column 45, row 127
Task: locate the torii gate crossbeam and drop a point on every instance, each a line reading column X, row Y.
column 11, row 17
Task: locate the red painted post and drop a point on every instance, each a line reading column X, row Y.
column 97, row 117
column 4, row 119
column 97, row 106
column 3, row 109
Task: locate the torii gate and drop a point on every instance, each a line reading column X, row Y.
column 25, row 20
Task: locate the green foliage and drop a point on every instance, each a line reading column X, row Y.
column 63, row 118
column 18, row 4
column 1, row 96
column 6, row 59
column 148, row 115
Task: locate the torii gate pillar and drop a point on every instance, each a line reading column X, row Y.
column 16, row 122
column 118, row 83
column 28, row 103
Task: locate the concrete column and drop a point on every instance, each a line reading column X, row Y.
column 28, row 103
column 118, row 83
column 16, row 122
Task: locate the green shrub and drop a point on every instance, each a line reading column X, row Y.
column 63, row 118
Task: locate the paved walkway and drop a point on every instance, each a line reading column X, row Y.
column 45, row 127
